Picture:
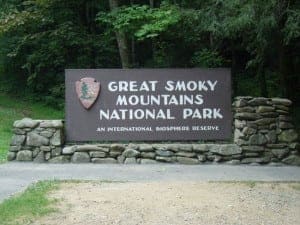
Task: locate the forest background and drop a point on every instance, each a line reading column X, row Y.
column 258, row 39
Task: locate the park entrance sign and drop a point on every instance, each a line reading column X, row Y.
column 148, row 104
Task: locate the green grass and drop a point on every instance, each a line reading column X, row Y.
column 12, row 109
column 25, row 207
column 33, row 203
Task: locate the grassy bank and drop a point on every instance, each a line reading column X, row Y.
column 12, row 109
column 24, row 207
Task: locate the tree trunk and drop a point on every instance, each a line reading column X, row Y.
column 233, row 70
column 151, row 3
column 262, row 81
column 121, row 39
column 133, row 62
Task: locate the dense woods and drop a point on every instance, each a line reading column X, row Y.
column 259, row 40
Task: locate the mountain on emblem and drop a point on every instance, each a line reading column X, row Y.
column 87, row 90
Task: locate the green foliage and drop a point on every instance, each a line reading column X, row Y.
column 141, row 21
column 258, row 40
column 292, row 29
column 47, row 37
column 206, row 58
column 32, row 203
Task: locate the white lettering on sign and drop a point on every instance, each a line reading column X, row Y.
column 205, row 113
column 190, row 85
column 189, row 96
column 137, row 114
column 132, row 86
column 159, row 100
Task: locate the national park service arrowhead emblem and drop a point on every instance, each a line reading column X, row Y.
column 87, row 90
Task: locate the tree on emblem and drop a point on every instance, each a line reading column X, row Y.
column 84, row 91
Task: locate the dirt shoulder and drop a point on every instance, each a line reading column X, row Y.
column 176, row 203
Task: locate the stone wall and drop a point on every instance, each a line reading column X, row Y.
column 36, row 140
column 264, row 130
column 263, row 134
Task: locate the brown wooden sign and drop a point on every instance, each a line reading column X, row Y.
column 148, row 104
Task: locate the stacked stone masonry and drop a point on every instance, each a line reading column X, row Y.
column 263, row 134
column 264, row 130
column 36, row 140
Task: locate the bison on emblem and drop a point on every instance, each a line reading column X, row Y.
column 87, row 90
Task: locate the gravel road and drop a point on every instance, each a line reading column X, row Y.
column 15, row 177
column 176, row 203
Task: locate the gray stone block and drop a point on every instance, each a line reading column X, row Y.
column 130, row 161
column 56, row 140
column 164, row 159
column 114, row 153
column 121, row 159
column 258, row 101
column 281, row 101
column 104, row 160
column 285, row 125
column 239, row 124
column 35, row 152
column 292, row 160
column 11, row 156
column 25, row 155
column 201, row 158
column 51, row 124
column 47, row 134
column 68, row 150
column 285, row 118
column 148, row 155
column 130, row 153
column 34, row 139
column 276, row 145
column 117, row 147
column 280, row 153
column 26, row 123
column 253, row 148
column 97, row 154
column 263, row 109
column 265, row 121
column 248, row 130
column 80, row 157
column 88, row 147
column 257, row 139
column 186, row 160
column 40, row 158
column 57, row 159
column 164, row 153
column 56, row 151
column 271, row 136
column 19, row 131
column 145, row 148
column 288, row 136
column 253, row 160
column 185, row 147
column 186, row 154
column 226, row 149
column 248, row 109
column 17, row 140
column 241, row 103
column 247, row 116
column 15, row 148
column 200, row 148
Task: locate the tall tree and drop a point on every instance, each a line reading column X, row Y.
column 121, row 39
